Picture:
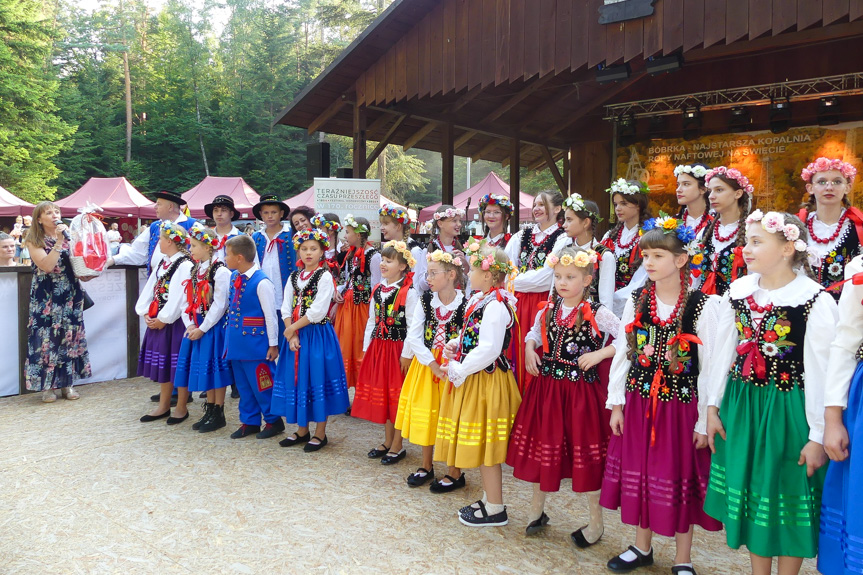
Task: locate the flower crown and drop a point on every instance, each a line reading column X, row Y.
column 449, row 213
column 320, row 221
column 444, row 257
column 669, row 225
column 175, row 233
column 622, row 186
column 492, row 199
column 402, row 248
column 575, row 203
column 774, row 222
column 358, row 227
column 200, row 233
column 825, row 165
column 397, row 213
column 697, row 172
column 731, row 174
column 580, row 260
column 488, row 263
column 314, row 234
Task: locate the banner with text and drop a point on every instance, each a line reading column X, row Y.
column 360, row 198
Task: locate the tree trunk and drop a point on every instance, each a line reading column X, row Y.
column 128, row 83
column 382, row 171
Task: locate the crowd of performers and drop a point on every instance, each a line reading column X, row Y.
column 701, row 369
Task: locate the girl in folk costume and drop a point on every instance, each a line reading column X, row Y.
column 528, row 248
column 835, row 227
column 766, row 416
column 161, row 304
column 200, row 366
column 724, row 237
column 444, row 237
column 386, row 358
column 495, row 212
column 331, row 226
column 361, row 271
column 631, row 210
column 438, row 318
column 561, row 430
column 580, row 217
column 840, row 551
column 692, row 196
column 657, row 467
column 478, row 407
column 310, row 382
column 395, row 227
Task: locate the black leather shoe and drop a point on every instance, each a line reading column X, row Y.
column 234, row 393
column 272, row 429
column 537, row 525
column 295, row 439
column 245, row 431
column 618, row 565
column 203, row 395
column 149, row 418
column 157, row 397
column 176, row 420
column 392, row 458
column 420, row 477
column 438, row 487
column 208, row 413
column 216, row 421
column 378, row 453
column 310, row 447
column 683, row 569
column 470, row 519
column 581, row 541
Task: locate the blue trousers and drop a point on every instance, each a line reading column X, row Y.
column 254, row 381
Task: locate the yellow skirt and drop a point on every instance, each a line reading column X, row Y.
column 475, row 420
column 419, row 404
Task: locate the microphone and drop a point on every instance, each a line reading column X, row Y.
column 66, row 235
column 465, row 233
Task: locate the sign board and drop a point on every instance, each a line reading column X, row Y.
column 360, row 198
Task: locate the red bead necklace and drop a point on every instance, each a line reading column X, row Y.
column 758, row 308
column 835, row 235
column 673, row 317
column 304, row 277
column 702, row 221
column 622, row 245
column 721, row 239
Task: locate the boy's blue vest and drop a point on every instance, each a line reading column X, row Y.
column 287, row 255
column 246, row 336
column 155, row 232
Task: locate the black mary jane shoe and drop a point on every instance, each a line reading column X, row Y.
column 176, row 420
column 468, row 517
column 683, row 569
column 438, row 487
column 148, row 418
column 536, row 525
column 378, row 453
column 295, row 439
column 581, row 541
column 420, row 477
column 618, row 565
column 311, row 447
column 393, row 458
column 245, row 431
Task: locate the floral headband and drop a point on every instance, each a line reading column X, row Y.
column 575, row 203
column 669, row 225
column 731, row 174
column 495, row 199
column 622, row 186
column 443, row 257
column 826, row 165
column 488, row 263
column 402, row 248
column 175, row 233
column 697, row 172
column 200, row 233
column 397, row 213
column 580, row 260
column 774, row 222
column 320, row 221
column 358, row 227
column 313, row 234
column 449, row 213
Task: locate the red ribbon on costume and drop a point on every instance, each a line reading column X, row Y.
column 738, row 263
column 635, row 323
column 238, row 283
column 279, row 241
column 754, row 356
column 655, row 385
column 221, row 243
column 402, row 295
column 856, row 279
column 587, row 314
column 359, row 256
column 191, row 308
column 856, row 216
column 709, row 285
column 548, row 306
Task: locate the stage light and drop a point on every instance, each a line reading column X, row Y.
column 828, row 111
column 656, row 66
column 740, row 120
column 626, row 129
column 656, row 130
column 608, row 74
column 780, row 115
column 691, row 122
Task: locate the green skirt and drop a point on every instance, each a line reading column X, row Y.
column 756, row 487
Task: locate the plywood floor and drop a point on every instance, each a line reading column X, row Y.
column 86, row 488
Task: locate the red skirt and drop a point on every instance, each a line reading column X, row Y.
column 350, row 328
column 525, row 312
column 379, row 382
column 561, row 431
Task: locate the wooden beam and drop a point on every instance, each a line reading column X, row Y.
column 515, row 183
column 550, row 107
column 552, row 166
column 484, row 150
column 360, row 165
column 464, row 138
column 465, row 100
column 447, row 164
column 538, row 164
column 606, row 95
column 380, row 122
column 525, row 148
column 327, row 114
column 419, row 135
column 566, row 169
column 382, row 144
column 517, row 98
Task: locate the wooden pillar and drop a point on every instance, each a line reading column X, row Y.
column 515, row 183
column 566, row 172
column 133, row 322
column 25, row 279
column 447, row 164
column 360, row 142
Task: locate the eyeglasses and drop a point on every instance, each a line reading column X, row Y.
column 493, row 213
column 836, row 183
column 431, row 275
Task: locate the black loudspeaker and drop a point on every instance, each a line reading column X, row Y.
column 345, row 173
column 317, row 160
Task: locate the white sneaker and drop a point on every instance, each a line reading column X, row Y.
column 70, row 393
column 48, row 396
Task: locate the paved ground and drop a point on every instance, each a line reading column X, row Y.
column 86, row 488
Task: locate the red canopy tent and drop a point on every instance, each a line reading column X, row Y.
column 491, row 184
column 116, row 196
column 12, row 206
column 242, row 193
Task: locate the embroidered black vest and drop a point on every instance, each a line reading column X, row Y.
column 779, row 340
column 567, row 345
column 651, row 349
column 623, row 270
column 210, row 278
column 360, row 282
column 533, row 257
column 306, row 296
column 391, row 326
column 724, row 264
column 453, row 326
column 470, row 337
column 163, row 284
column 832, row 268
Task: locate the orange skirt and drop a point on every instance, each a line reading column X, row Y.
column 350, row 329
